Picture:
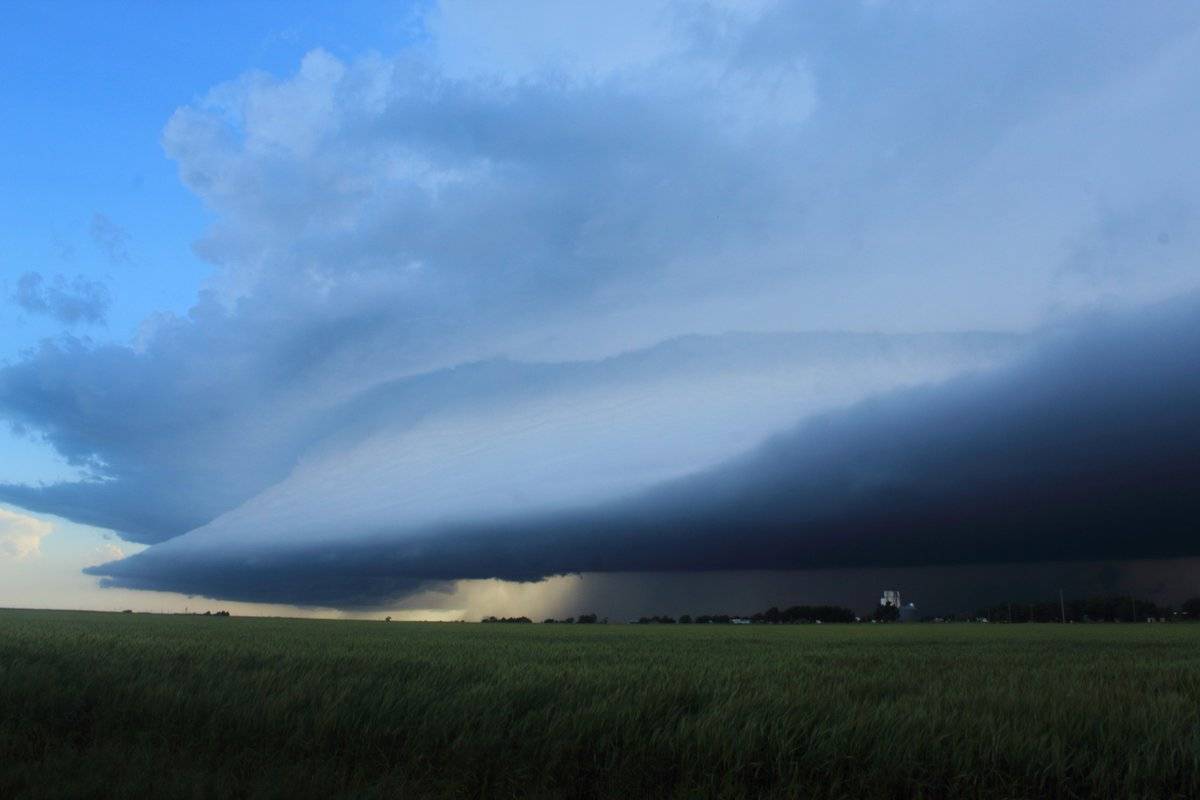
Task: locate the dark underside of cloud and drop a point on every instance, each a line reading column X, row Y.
column 1088, row 450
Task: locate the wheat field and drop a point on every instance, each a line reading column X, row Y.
column 123, row 705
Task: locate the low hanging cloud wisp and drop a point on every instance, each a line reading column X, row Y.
column 1089, row 449
column 78, row 300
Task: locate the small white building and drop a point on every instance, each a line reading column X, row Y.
column 891, row 597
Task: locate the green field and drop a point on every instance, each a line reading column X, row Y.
column 110, row 705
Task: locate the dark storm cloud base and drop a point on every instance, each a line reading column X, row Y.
column 1088, row 450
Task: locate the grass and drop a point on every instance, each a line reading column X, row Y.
column 110, row 705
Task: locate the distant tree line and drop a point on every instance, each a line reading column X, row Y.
column 805, row 614
column 772, row 616
column 1111, row 608
column 886, row 612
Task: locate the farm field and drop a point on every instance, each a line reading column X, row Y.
column 112, row 705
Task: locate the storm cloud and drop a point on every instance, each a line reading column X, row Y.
column 494, row 293
column 176, row 457
column 1089, row 449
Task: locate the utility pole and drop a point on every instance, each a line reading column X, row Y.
column 1062, row 608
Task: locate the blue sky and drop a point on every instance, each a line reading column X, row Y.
column 281, row 281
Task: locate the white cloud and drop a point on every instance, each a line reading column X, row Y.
column 106, row 552
column 21, row 535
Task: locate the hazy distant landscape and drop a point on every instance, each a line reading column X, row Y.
column 105, row 705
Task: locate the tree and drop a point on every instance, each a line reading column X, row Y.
column 887, row 612
column 685, row 619
column 1191, row 608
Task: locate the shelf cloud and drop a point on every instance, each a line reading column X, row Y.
column 545, row 292
column 1085, row 450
